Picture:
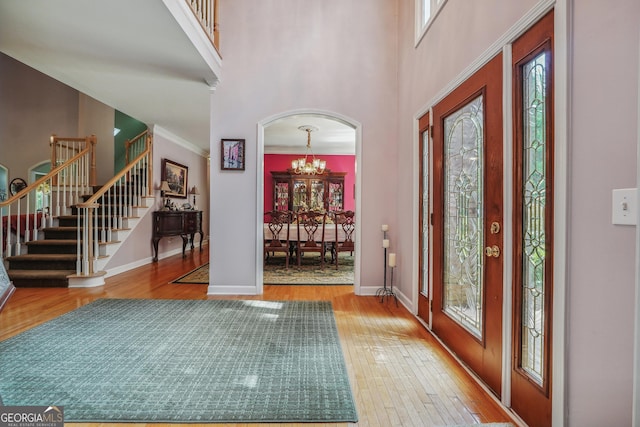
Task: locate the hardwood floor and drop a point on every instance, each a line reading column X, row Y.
column 400, row 375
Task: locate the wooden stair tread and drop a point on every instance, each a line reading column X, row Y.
column 52, row 242
column 37, row 274
column 43, row 257
column 61, row 228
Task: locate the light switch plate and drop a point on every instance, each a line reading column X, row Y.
column 625, row 206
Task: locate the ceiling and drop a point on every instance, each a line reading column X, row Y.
column 331, row 137
column 131, row 55
column 147, row 59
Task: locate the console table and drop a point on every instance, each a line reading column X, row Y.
column 176, row 223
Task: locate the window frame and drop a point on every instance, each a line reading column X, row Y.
column 422, row 26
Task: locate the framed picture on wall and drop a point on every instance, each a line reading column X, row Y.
column 176, row 176
column 232, row 154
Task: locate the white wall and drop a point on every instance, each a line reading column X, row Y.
column 285, row 55
column 602, row 256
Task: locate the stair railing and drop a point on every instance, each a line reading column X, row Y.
column 34, row 207
column 108, row 208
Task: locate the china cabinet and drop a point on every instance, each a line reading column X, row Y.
column 293, row 191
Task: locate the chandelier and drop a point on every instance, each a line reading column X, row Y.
column 302, row 165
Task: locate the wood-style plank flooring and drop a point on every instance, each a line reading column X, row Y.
column 400, row 375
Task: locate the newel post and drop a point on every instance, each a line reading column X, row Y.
column 150, row 164
column 93, row 140
column 52, row 143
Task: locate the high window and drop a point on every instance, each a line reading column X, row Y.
column 426, row 12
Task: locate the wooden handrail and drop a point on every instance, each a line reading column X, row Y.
column 113, row 181
column 129, row 142
column 19, row 195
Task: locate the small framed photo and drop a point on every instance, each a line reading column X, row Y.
column 176, row 176
column 232, row 157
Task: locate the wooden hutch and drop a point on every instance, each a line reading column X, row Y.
column 292, row 191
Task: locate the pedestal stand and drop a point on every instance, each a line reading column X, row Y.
column 384, row 291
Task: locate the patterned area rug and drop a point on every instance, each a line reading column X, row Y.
column 275, row 272
column 216, row 361
column 198, row 276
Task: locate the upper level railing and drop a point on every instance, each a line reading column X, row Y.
column 207, row 13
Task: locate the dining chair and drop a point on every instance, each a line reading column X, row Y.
column 345, row 225
column 311, row 236
column 277, row 237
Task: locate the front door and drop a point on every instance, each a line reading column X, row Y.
column 468, row 221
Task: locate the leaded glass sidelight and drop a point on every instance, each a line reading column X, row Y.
column 533, row 215
column 463, row 215
column 425, row 214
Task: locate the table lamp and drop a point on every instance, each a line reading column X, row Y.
column 164, row 187
column 194, row 191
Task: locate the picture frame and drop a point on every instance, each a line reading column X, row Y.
column 177, row 176
column 232, row 154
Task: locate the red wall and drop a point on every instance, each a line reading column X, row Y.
column 335, row 163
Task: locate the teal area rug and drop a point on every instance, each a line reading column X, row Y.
column 216, row 361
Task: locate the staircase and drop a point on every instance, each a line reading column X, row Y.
column 61, row 230
column 52, row 260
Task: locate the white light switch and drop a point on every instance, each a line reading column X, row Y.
column 625, row 206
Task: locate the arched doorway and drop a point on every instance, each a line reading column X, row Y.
column 292, row 119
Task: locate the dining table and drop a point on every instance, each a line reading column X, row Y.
column 329, row 233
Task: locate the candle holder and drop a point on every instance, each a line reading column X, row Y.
column 384, row 291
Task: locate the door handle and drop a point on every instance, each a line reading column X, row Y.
column 492, row 251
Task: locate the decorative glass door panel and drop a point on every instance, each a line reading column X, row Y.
column 281, row 196
column 424, row 270
column 534, row 170
column 317, row 195
column 336, row 196
column 463, row 216
column 424, row 303
column 299, row 195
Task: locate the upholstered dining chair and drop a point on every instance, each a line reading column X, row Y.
column 345, row 222
column 277, row 238
column 311, row 237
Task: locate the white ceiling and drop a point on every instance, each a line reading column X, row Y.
column 332, row 136
column 140, row 58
